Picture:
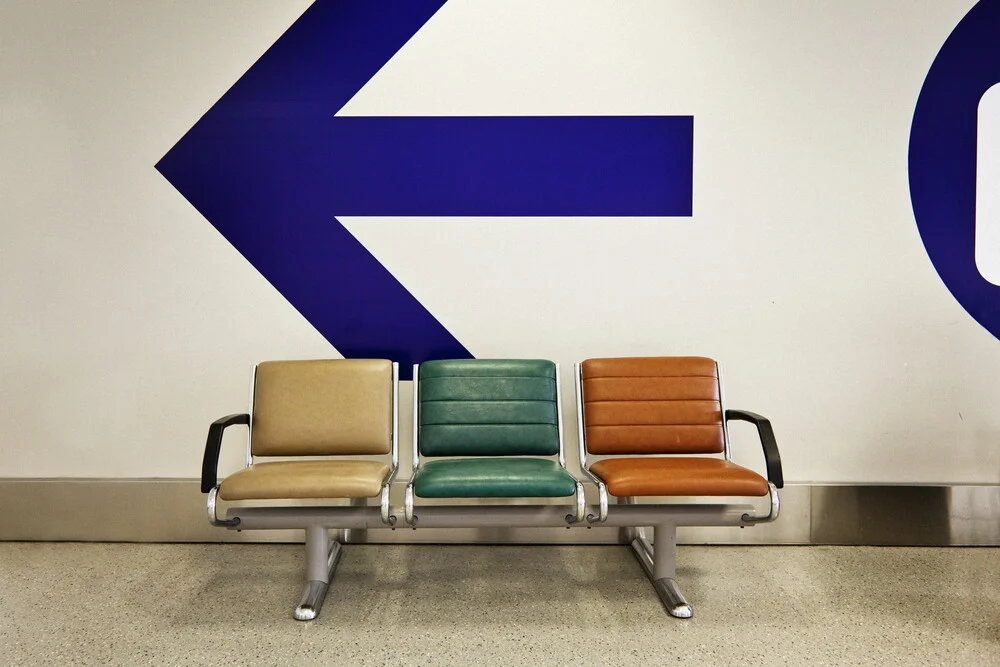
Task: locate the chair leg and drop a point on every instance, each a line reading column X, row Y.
column 626, row 533
column 660, row 565
column 322, row 556
column 355, row 535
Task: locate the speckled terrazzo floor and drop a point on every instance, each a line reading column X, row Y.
column 465, row 605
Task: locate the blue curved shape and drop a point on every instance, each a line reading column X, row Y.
column 942, row 158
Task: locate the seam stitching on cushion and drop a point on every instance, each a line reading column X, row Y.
column 651, row 377
column 487, row 377
column 713, row 425
column 492, row 424
column 653, row 400
column 488, row 400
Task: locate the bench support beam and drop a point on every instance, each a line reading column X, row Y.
column 505, row 516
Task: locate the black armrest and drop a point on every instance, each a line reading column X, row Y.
column 210, row 464
column 767, row 441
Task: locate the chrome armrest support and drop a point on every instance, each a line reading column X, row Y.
column 580, row 496
column 408, row 505
column 772, row 514
column 388, row 518
column 213, row 517
column 602, row 490
column 772, row 459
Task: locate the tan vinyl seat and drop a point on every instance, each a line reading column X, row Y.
column 305, row 479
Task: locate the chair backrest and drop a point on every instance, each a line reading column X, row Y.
column 652, row 405
column 488, row 407
column 322, row 407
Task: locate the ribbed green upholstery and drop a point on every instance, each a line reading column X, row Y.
column 489, row 408
column 493, row 478
column 488, row 413
column 479, row 388
column 488, row 368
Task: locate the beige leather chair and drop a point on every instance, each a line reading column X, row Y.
column 314, row 415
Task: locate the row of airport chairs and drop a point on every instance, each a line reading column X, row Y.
column 490, row 428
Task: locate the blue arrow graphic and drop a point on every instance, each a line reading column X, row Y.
column 270, row 166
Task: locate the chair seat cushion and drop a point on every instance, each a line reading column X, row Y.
column 678, row 476
column 493, row 478
column 305, row 479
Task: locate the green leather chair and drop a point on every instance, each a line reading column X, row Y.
column 492, row 427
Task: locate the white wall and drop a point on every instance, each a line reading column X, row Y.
column 129, row 323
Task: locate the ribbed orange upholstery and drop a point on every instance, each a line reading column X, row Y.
column 652, row 405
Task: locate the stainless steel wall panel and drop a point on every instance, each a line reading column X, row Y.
column 905, row 515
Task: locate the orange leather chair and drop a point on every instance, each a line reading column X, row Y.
column 660, row 420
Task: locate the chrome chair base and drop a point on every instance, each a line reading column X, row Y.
column 658, row 561
column 312, row 601
column 315, row 590
column 672, row 598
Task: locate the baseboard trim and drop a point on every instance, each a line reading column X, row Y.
column 173, row 510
